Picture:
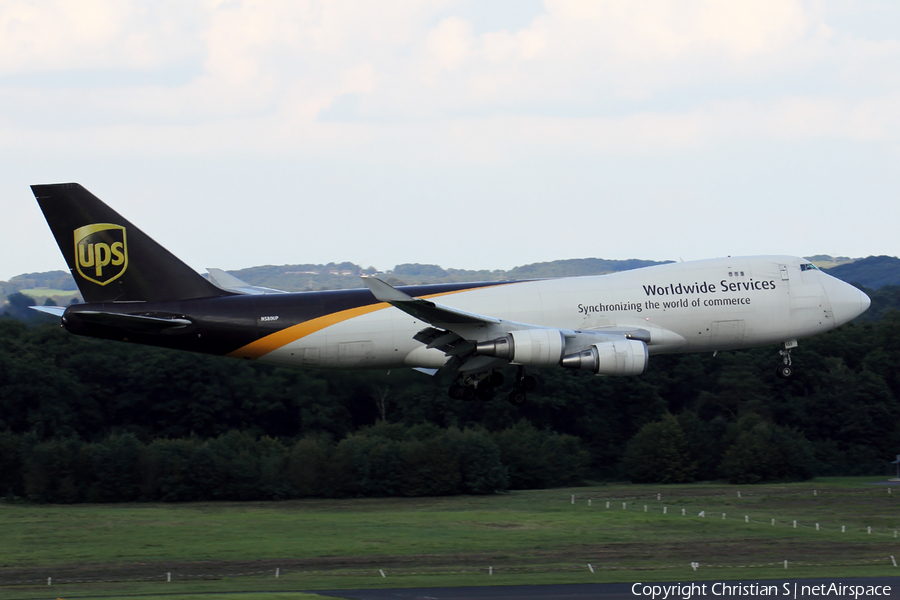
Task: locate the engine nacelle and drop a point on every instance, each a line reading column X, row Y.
column 621, row 357
column 538, row 347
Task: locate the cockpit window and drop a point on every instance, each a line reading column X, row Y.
column 808, row 267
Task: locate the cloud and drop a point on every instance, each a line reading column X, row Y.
column 58, row 35
column 304, row 76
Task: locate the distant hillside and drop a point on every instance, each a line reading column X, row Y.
column 576, row 267
column 872, row 272
column 60, row 286
column 346, row 275
column 57, row 285
column 824, row 261
column 303, row 278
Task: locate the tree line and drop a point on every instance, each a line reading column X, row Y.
column 70, row 405
column 381, row 460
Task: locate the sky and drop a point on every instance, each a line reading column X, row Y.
column 480, row 134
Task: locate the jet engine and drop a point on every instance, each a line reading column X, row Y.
column 538, row 347
column 620, row 357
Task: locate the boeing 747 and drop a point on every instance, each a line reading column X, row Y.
column 134, row 290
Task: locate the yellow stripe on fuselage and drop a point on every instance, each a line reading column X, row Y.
column 276, row 340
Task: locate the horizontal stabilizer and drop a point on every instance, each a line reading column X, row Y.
column 56, row 311
column 230, row 283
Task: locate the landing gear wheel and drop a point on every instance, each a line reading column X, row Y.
column 785, row 371
column 516, row 397
column 481, row 386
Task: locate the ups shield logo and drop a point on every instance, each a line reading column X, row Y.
column 101, row 252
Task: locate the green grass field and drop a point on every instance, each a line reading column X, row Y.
column 517, row 538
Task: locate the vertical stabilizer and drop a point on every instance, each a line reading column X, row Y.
column 111, row 259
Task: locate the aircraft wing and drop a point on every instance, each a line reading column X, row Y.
column 425, row 310
column 457, row 333
column 454, row 332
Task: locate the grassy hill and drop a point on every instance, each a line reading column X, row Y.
column 56, row 285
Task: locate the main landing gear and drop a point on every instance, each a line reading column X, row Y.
column 483, row 386
column 785, row 370
column 523, row 383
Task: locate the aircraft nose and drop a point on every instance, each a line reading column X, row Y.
column 847, row 302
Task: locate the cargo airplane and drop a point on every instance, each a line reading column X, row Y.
column 135, row 290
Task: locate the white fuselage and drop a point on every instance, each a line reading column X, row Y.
column 708, row 305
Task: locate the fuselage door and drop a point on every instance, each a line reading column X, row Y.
column 784, row 272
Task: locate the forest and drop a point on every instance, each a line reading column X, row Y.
column 83, row 420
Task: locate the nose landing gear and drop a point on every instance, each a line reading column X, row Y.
column 785, row 370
